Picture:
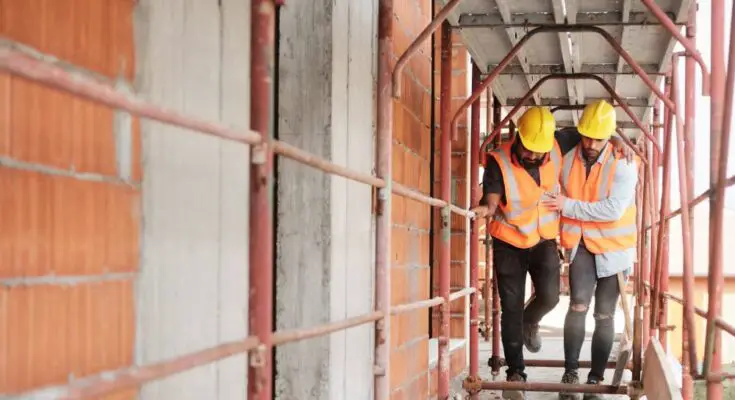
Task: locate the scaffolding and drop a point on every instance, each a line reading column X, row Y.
column 650, row 282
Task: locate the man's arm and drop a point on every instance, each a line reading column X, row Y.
column 567, row 139
column 492, row 190
column 613, row 207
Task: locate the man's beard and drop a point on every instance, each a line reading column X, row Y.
column 531, row 163
column 591, row 155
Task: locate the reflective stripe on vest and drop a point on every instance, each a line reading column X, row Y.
column 521, row 221
column 599, row 237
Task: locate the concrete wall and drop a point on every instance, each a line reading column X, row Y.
column 193, row 56
column 325, row 236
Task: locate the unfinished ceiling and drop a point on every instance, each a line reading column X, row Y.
column 490, row 28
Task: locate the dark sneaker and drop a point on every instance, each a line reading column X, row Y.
column 593, row 396
column 572, row 378
column 509, row 394
column 532, row 338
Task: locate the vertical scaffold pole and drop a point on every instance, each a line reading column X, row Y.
column 495, row 359
column 487, row 294
column 721, row 113
column 661, row 283
column 383, row 226
column 474, row 224
column 262, row 61
column 689, row 353
column 445, row 165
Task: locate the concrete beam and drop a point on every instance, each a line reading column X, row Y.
column 514, row 36
column 598, row 69
column 564, row 101
column 566, row 12
column 621, row 124
column 324, row 234
column 498, row 20
column 191, row 293
column 624, row 38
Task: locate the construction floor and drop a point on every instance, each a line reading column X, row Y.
column 553, row 348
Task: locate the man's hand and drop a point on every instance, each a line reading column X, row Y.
column 622, row 148
column 481, row 211
column 553, row 201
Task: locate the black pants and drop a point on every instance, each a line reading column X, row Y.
column 583, row 282
column 511, row 263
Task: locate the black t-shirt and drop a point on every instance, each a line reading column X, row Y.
column 492, row 179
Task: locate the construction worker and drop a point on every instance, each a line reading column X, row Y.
column 598, row 227
column 516, row 177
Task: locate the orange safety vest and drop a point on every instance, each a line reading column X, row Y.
column 599, row 237
column 522, row 221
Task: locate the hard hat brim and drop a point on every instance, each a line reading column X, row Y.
column 594, row 135
column 537, row 147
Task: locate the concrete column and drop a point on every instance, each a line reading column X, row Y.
column 193, row 56
column 324, row 237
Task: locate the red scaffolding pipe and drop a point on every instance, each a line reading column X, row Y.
column 713, row 345
column 730, row 181
column 383, row 225
column 689, row 369
column 474, row 225
column 445, row 101
column 688, row 328
column 662, row 206
column 690, row 46
column 559, row 29
column 262, row 61
column 534, row 89
column 487, row 294
column 425, row 34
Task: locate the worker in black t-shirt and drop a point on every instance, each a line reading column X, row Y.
column 524, row 233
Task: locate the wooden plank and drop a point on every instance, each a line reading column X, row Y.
column 659, row 382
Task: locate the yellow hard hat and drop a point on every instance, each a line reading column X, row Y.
column 598, row 120
column 536, row 129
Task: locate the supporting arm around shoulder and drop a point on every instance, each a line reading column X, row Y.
column 612, row 208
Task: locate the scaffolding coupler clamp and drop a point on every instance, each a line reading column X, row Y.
column 495, row 362
column 472, row 384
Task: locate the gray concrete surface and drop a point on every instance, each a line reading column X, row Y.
column 193, row 56
column 325, row 234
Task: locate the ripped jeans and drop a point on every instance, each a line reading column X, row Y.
column 583, row 283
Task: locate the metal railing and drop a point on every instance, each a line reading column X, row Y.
column 651, row 277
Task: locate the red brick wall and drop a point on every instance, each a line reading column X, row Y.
column 69, row 239
column 460, row 179
column 411, row 220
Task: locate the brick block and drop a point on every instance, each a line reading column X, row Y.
column 419, row 388
column 399, row 239
column 50, row 27
column 419, row 361
column 399, row 164
column 52, row 332
column 398, row 284
column 398, row 367
column 57, row 129
column 425, row 241
column 64, row 226
column 458, row 246
column 459, row 56
column 413, row 247
column 398, row 206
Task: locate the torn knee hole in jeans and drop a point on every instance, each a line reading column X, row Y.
column 578, row 307
column 601, row 317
